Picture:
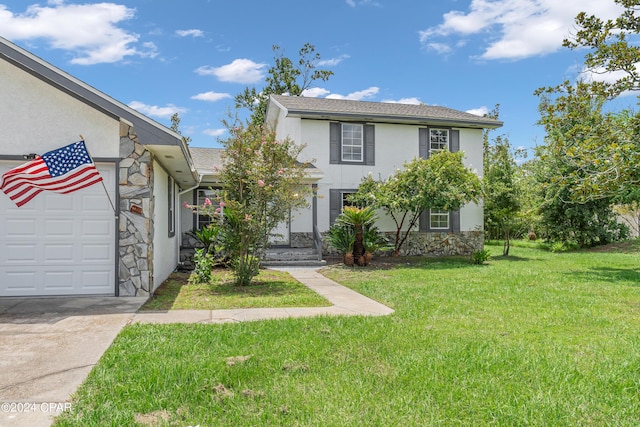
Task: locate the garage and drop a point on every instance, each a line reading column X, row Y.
column 59, row 244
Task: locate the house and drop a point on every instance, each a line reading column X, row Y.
column 347, row 140
column 122, row 238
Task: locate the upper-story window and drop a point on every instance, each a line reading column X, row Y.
column 352, row 143
column 438, row 139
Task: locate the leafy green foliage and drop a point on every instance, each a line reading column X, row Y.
column 354, row 233
column 260, row 186
column 439, row 182
column 501, row 193
column 204, row 262
column 481, row 256
column 285, row 77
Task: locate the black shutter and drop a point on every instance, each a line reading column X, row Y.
column 369, row 145
column 423, row 143
column 454, row 136
column 454, row 218
column 334, row 143
column 423, row 221
column 335, row 205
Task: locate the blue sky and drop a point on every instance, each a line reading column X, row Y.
column 194, row 56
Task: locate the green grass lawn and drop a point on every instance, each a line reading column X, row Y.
column 270, row 288
column 534, row 339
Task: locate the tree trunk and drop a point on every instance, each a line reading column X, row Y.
column 507, row 243
column 358, row 246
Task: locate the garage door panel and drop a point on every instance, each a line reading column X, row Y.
column 22, row 253
column 97, row 228
column 16, row 227
column 59, row 228
column 59, row 244
column 101, row 254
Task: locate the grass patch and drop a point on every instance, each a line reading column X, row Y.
column 535, row 339
column 270, row 289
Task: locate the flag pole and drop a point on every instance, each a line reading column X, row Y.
column 102, row 180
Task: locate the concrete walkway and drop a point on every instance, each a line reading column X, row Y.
column 345, row 303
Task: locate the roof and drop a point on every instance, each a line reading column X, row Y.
column 205, row 159
column 388, row 112
column 168, row 145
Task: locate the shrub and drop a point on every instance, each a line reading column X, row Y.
column 480, row 257
column 204, row 263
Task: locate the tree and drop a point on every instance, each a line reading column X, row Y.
column 284, row 77
column 501, row 198
column 606, row 157
column 175, row 126
column 439, row 182
column 611, row 48
column 260, row 186
column 577, row 197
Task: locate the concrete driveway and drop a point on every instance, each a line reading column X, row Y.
column 47, row 348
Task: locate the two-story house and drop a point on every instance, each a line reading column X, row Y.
column 347, row 140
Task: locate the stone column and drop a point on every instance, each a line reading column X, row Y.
column 136, row 210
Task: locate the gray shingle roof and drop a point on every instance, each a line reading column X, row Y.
column 204, row 159
column 379, row 111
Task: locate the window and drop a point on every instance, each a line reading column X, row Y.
column 438, row 220
column 171, row 207
column 338, row 201
column 202, row 195
column 438, row 139
column 352, row 143
column 345, row 202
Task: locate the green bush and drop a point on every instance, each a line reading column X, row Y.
column 480, row 257
column 204, row 263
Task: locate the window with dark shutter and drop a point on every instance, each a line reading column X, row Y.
column 351, row 143
column 430, row 139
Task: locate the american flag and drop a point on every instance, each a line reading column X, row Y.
column 64, row 170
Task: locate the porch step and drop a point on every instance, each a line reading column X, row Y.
column 292, row 257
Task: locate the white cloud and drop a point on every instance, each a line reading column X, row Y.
column 315, row 92
column 89, row 31
column 214, row 132
column 412, row 100
column 333, row 61
column 480, row 111
column 156, row 111
column 211, row 96
column 190, row 33
column 239, row 71
column 354, row 3
column 357, row 96
column 516, row 29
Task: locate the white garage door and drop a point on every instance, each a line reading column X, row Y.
column 59, row 244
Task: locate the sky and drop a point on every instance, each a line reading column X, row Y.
column 194, row 56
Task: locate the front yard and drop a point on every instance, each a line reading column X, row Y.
column 533, row 339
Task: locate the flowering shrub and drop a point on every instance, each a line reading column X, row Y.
column 260, row 186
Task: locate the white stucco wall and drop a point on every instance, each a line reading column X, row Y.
column 41, row 118
column 166, row 249
column 394, row 145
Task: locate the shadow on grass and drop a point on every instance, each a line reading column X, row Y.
column 510, row 258
column 610, row 275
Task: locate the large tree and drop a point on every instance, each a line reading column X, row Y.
column 439, row 182
column 501, row 193
column 604, row 147
column 284, row 77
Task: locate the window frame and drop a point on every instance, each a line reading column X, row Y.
column 198, row 220
column 360, row 128
column 439, row 213
column 441, row 145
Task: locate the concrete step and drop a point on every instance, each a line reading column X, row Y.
column 300, row 257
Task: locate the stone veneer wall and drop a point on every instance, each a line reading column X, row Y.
column 136, row 210
column 432, row 244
